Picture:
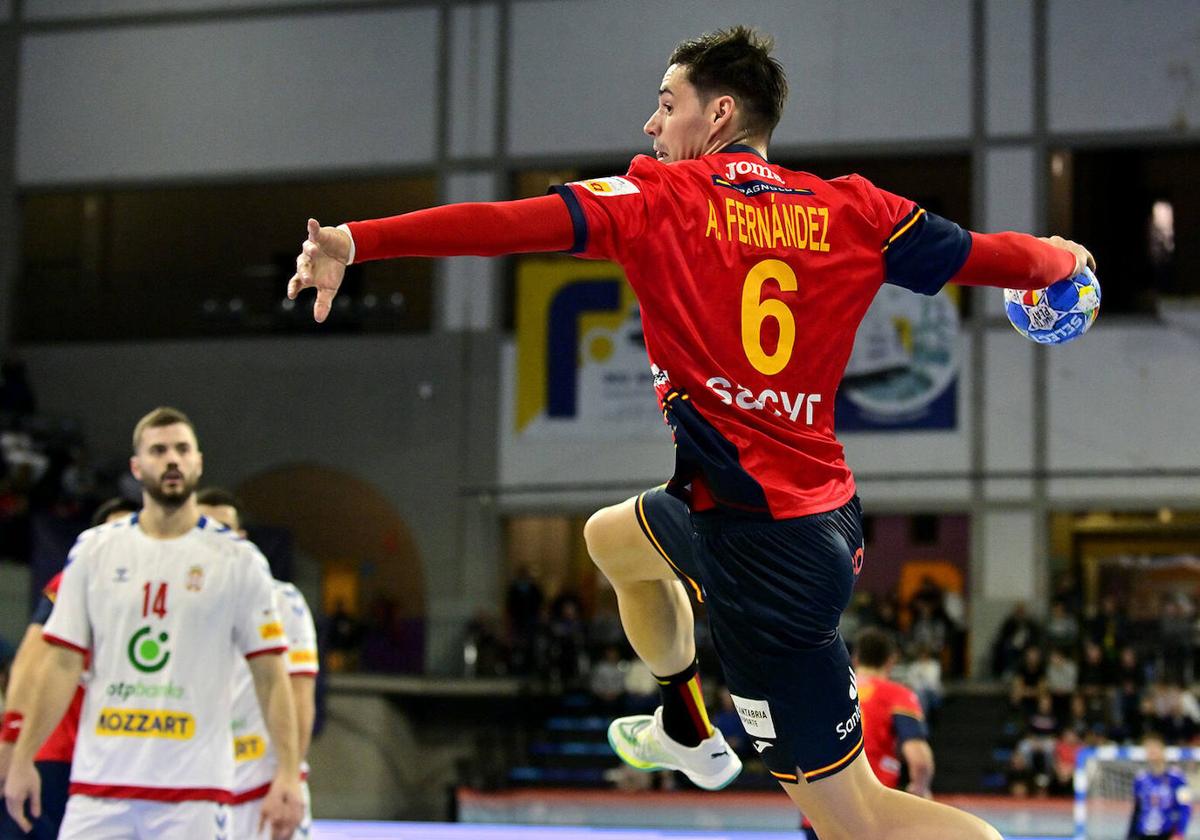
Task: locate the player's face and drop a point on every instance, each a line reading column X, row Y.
column 682, row 126
column 227, row 515
column 168, row 464
column 1155, row 753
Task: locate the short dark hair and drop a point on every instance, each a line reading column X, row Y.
column 219, row 497
column 117, row 504
column 874, row 648
column 737, row 62
column 158, row 418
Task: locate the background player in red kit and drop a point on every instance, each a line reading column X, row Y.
column 893, row 722
column 752, row 281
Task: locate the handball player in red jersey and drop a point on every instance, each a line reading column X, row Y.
column 752, row 280
column 893, row 723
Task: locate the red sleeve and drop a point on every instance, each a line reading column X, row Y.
column 531, row 225
column 608, row 214
column 1013, row 261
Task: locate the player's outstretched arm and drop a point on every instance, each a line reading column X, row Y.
column 50, row 692
column 1020, row 261
column 531, row 225
column 283, row 807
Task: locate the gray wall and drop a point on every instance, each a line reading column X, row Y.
column 197, row 89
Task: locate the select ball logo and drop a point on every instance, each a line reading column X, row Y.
column 148, row 652
column 1059, row 313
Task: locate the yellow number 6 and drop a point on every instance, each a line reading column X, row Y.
column 755, row 310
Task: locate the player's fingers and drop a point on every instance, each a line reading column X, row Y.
column 1091, row 261
column 35, row 801
column 323, row 305
column 294, row 287
column 314, row 228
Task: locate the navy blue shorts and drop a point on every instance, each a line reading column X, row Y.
column 775, row 592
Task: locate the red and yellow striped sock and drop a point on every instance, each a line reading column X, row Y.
column 684, row 717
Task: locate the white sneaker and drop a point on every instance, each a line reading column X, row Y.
column 641, row 742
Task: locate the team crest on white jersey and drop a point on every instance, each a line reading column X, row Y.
column 195, row 580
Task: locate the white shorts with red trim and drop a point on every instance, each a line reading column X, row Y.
column 93, row 818
column 246, row 818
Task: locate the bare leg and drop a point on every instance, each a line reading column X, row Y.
column 655, row 610
column 854, row 805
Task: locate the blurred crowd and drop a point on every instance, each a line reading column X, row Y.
column 1091, row 676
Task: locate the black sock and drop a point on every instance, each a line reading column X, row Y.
column 684, row 717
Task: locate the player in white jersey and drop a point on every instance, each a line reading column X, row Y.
column 167, row 602
column 254, row 756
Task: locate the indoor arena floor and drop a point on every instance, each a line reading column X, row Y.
column 349, row 830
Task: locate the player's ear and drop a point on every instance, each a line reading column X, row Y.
column 135, row 469
column 722, row 109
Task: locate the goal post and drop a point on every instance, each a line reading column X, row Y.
column 1104, row 787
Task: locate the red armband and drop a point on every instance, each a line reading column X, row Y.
column 1013, row 261
column 531, row 225
column 10, row 727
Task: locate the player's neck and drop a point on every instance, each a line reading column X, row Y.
column 164, row 522
column 874, row 673
column 723, row 140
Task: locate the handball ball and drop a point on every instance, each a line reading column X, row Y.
column 1059, row 313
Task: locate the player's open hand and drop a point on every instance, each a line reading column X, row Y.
column 22, row 786
column 321, row 266
column 1083, row 257
column 282, row 809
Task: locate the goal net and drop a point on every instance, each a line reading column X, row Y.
column 1104, row 788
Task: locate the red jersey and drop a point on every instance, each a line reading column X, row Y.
column 752, row 280
column 60, row 746
column 891, row 715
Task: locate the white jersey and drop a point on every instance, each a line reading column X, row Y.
column 254, row 757
column 166, row 622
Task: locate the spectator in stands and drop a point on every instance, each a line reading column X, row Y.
column 1095, row 673
column 524, row 610
column 641, row 688
column 1018, row 632
column 889, row 617
column 1028, row 682
column 1019, row 776
column 930, row 629
column 484, row 654
column 1062, row 629
column 1174, row 640
column 929, row 595
column 607, row 681
column 1127, row 700
column 568, row 641
column 1066, row 750
column 1107, row 627
column 1172, row 711
column 924, row 676
column 1062, row 678
column 1041, row 735
column 1066, row 591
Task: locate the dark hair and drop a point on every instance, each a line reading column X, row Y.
column 118, row 504
column 874, row 648
column 737, row 62
column 218, row 497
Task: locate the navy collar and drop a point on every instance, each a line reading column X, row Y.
column 741, row 149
